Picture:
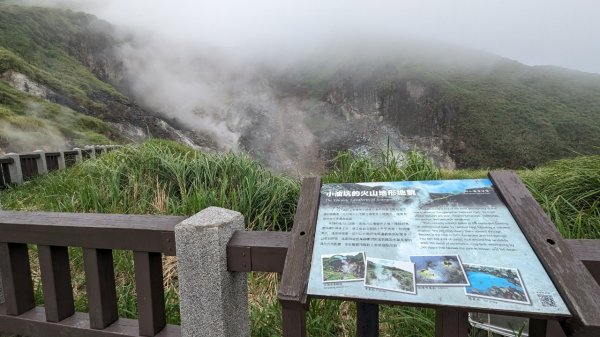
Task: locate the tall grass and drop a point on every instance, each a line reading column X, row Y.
column 388, row 166
column 160, row 177
column 569, row 192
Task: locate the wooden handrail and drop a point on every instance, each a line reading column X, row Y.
column 152, row 233
column 247, row 251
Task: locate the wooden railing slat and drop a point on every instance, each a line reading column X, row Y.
column 367, row 319
column 294, row 322
column 150, row 292
column 451, row 323
column 537, row 327
column 16, row 278
column 257, row 251
column 100, row 283
column 52, row 163
column 56, row 282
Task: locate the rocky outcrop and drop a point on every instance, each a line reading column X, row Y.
column 23, row 83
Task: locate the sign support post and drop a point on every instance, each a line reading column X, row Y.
column 574, row 282
column 294, row 280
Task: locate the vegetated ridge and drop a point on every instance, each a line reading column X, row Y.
column 57, row 84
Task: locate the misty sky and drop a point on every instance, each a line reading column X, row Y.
column 565, row 33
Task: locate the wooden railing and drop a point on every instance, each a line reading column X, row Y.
column 149, row 237
column 18, row 168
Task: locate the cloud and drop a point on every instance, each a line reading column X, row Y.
column 558, row 32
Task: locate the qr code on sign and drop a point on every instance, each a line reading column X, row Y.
column 547, row 300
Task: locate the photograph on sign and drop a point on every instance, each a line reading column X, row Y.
column 343, row 267
column 391, row 275
column 496, row 283
column 439, row 270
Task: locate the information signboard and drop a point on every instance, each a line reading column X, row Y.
column 447, row 242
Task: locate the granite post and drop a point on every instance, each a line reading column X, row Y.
column 42, row 165
column 62, row 164
column 78, row 156
column 213, row 301
column 16, row 174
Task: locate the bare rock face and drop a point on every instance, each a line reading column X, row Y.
column 23, row 83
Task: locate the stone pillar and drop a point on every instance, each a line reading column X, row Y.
column 79, row 156
column 62, row 164
column 16, row 174
column 213, row 301
column 42, row 166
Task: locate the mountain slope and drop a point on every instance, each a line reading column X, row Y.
column 484, row 111
column 55, row 72
column 462, row 107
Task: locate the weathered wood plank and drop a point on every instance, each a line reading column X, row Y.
column 560, row 262
column 16, row 278
column 29, row 156
column 103, row 231
column 4, row 175
column 257, row 251
column 150, row 292
column 585, row 250
column 554, row 329
column 588, row 251
column 367, row 320
column 294, row 280
column 100, row 284
column 294, row 322
column 52, row 163
column 56, row 282
column 33, row 323
column 451, row 323
column 29, row 166
column 537, row 327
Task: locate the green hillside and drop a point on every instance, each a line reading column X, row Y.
column 161, row 177
column 485, row 111
column 48, row 47
column 522, row 116
column 489, row 111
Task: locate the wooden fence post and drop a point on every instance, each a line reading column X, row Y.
column 1, row 292
column 213, row 300
column 294, row 280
